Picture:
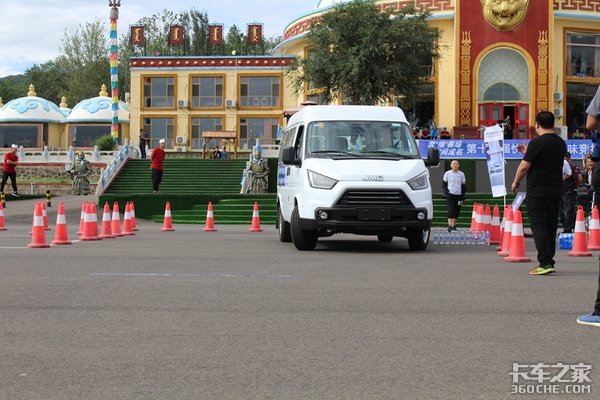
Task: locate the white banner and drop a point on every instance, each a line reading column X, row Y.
column 493, row 137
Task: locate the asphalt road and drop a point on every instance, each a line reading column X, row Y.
column 239, row 315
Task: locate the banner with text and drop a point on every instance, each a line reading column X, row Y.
column 493, row 137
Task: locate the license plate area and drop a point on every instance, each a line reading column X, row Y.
column 374, row 214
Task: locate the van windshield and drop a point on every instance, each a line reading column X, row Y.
column 360, row 139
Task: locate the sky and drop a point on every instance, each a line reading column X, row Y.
column 31, row 30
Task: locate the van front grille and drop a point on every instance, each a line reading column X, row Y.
column 374, row 198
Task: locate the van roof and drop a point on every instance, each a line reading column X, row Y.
column 347, row 113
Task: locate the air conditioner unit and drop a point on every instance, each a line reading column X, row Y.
column 558, row 96
column 180, row 149
column 230, row 103
column 181, row 140
column 182, row 103
column 558, row 112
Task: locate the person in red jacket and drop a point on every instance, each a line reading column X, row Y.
column 9, row 171
column 157, row 157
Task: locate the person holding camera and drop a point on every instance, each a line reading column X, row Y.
column 454, row 183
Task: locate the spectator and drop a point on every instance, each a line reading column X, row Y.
column 584, row 191
column 157, row 157
column 571, row 176
column 144, row 139
column 217, row 153
column 508, row 130
column 224, row 154
column 11, row 160
column 542, row 163
column 433, row 134
column 455, row 185
column 445, row 134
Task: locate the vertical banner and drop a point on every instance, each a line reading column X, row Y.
column 137, row 35
column 114, row 70
column 215, row 34
column 493, row 138
column 255, row 34
column 175, row 35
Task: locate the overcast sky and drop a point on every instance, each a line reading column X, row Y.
column 31, row 30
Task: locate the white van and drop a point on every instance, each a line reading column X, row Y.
column 353, row 169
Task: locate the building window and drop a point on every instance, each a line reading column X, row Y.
column 259, row 92
column 501, row 92
column 317, row 98
column 207, row 92
column 583, row 54
column 159, row 92
column 264, row 129
column 28, row 136
column 160, row 128
column 200, row 125
column 578, row 97
column 86, row 135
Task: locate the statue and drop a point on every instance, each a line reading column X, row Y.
column 258, row 173
column 81, row 171
column 504, row 15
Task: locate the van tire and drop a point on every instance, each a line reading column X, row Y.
column 385, row 237
column 283, row 227
column 418, row 239
column 303, row 239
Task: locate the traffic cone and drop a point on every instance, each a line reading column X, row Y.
column 594, row 241
column 127, row 227
column 168, row 221
column 106, row 223
column 90, row 223
column 479, row 218
column 60, row 233
column 45, row 216
column 580, row 237
column 517, row 252
column 2, row 226
column 133, row 223
column 255, row 219
column 38, row 236
column 474, row 218
column 508, row 223
column 115, row 226
column 210, row 219
column 487, row 219
column 495, row 235
column 82, row 219
column 502, row 223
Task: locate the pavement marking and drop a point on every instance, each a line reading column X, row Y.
column 10, row 248
column 168, row 275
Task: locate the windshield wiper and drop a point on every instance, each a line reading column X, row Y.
column 387, row 152
column 335, row 152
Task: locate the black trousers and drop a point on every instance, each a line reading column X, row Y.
column 453, row 208
column 13, row 180
column 567, row 210
column 543, row 219
column 143, row 149
column 156, row 178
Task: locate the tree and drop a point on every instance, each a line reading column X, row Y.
column 49, row 80
column 235, row 41
column 364, row 55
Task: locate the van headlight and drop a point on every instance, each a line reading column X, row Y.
column 320, row 181
column 420, row 182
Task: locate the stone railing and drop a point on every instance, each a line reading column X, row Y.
column 112, row 170
column 62, row 156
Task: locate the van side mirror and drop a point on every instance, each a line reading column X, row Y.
column 433, row 157
column 288, row 156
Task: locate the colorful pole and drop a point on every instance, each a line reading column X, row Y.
column 114, row 68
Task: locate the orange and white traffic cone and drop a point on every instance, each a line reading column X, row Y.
column 255, row 219
column 210, row 219
column 487, row 219
column 82, row 218
column 479, row 218
column 38, row 236
column 495, row 227
column 45, row 216
column 474, row 218
column 60, row 232
column 594, row 240
column 115, row 226
column 106, row 232
column 90, row 223
column 127, row 227
column 168, row 221
column 502, row 224
column 580, row 237
column 517, row 252
column 133, row 223
column 508, row 223
column 2, row 225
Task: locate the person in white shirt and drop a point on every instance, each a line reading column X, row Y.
column 455, row 185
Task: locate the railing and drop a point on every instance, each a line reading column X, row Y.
column 113, row 168
column 61, row 156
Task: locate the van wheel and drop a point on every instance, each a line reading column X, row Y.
column 283, row 228
column 385, row 237
column 303, row 239
column 418, row 239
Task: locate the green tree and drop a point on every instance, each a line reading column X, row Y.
column 49, row 80
column 12, row 87
column 378, row 59
column 235, row 40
